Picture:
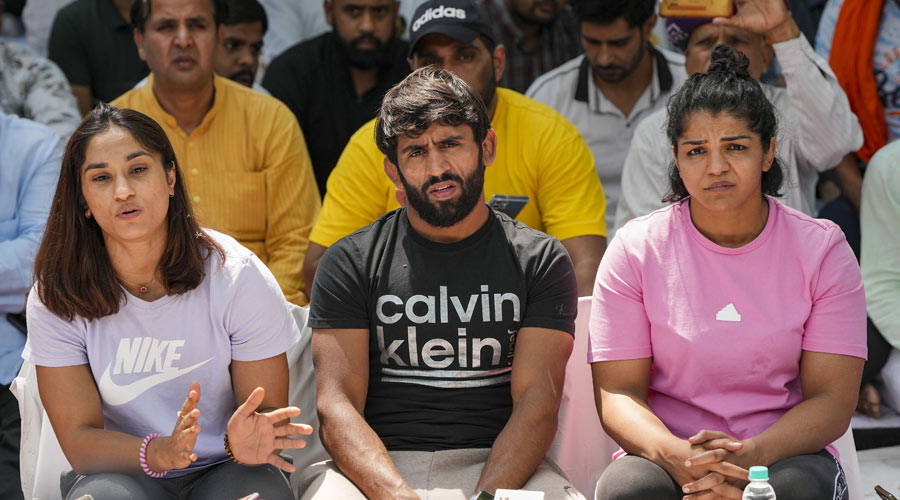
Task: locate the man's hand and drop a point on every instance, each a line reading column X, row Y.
column 254, row 437
column 766, row 17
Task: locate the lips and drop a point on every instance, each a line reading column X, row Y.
column 184, row 62
column 719, row 186
column 442, row 190
column 128, row 212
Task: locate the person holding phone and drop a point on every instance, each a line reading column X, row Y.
column 727, row 330
column 159, row 345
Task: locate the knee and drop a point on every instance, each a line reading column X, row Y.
column 633, row 478
column 800, row 484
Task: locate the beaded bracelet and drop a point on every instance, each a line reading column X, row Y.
column 228, row 450
column 143, row 455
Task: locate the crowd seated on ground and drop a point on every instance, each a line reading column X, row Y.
column 437, row 182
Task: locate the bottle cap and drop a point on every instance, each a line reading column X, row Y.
column 759, row 473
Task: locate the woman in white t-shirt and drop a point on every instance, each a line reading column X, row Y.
column 727, row 330
column 134, row 310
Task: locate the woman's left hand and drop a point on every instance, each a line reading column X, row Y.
column 255, row 438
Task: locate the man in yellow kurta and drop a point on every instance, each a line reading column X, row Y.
column 243, row 156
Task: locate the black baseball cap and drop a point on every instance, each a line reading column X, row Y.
column 461, row 20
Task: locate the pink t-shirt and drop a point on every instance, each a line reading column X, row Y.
column 726, row 326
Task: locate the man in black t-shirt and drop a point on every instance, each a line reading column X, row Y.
column 334, row 82
column 441, row 331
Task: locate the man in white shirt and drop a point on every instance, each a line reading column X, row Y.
column 620, row 80
column 816, row 128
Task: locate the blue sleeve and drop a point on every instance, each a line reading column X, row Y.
column 827, row 24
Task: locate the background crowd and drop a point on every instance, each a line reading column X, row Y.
column 270, row 108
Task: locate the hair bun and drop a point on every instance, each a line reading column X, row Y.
column 725, row 59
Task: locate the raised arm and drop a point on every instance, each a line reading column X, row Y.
column 538, row 373
column 341, row 358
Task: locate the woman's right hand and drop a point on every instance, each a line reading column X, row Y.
column 177, row 450
column 707, row 480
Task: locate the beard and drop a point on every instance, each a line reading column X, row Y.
column 363, row 59
column 615, row 73
column 446, row 213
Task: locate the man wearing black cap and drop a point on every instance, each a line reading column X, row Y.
column 334, row 82
column 541, row 157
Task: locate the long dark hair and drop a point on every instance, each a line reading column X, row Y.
column 73, row 272
column 726, row 87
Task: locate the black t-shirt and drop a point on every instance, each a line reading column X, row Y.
column 442, row 321
column 94, row 46
column 313, row 79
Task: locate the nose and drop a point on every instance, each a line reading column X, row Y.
column 367, row 23
column 718, row 163
column 604, row 56
column 123, row 189
column 436, row 164
column 183, row 37
column 245, row 58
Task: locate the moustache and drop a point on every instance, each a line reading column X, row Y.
column 242, row 73
column 366, row 38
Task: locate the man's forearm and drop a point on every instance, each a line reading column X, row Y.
column 360, row 454
column 521, row 445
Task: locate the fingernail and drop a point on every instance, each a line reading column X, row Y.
column 686, row 489
column 735, row 443
column 688, row 463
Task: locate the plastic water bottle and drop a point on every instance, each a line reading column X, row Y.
column 759, row 487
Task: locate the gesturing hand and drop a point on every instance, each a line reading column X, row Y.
column 254, row 437
column 177, row 450
column 716, row 453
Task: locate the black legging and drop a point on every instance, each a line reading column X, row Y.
column 805, row 477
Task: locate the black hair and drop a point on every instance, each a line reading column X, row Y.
column 140, row 12
column 246, row 11
column 634, row 12
column 727, row 87
column 426, row 96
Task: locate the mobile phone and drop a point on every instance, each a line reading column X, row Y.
column 696, row 8
column 511, row 205
column 884, row 494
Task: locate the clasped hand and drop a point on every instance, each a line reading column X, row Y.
column 713, row 466
column 255, row 438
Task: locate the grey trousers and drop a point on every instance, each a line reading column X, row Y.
column 440, row 475
column 225, row 481
column 818, row 476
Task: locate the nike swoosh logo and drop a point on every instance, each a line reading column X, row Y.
column 116, row 395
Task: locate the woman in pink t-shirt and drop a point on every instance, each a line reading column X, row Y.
column 727, row 330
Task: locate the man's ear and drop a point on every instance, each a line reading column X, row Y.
column 499, row 57
column 139, row 41
column 220, row 34
column 391, row 170
column 648, row 27
column 489, row 147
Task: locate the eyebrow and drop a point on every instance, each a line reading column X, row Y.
column 735, row 137
column 597, row 41
column 698, row 142
column 129, row 157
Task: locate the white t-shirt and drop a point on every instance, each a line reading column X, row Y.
column 144, row 357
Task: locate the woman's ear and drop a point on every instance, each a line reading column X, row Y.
column 675, row 157
column 769, row 157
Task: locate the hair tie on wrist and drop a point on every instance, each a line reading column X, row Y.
column 143, row 455
column 228, row 450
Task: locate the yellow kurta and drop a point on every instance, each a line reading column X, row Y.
column 248, row 174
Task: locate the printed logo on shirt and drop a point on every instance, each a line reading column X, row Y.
column 403, row 360
column 728, row 313
column 142, row 355
column 438, row 13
